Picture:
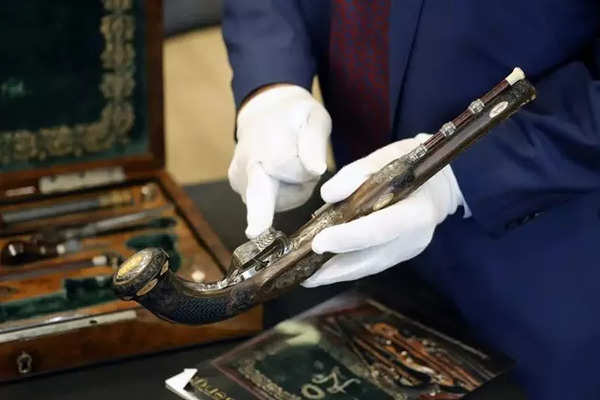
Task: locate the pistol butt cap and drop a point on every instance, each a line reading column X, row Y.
column 138, row 274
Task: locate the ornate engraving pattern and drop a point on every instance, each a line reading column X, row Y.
column 390, row 171
column 244, row 252
column 448, row 129
column 240, row 299
column 326, row 218
column 418, row 153
column 117, row 85
column 302, row 270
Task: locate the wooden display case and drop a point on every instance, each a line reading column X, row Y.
column 83, row 120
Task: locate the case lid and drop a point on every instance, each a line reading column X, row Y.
column 80, row 87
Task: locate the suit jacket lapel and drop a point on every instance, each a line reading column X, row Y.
column 404, row 20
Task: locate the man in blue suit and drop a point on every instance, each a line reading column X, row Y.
column 519, row 256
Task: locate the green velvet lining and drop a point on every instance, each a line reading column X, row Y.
column 51, row 78
column 76, row 293
column 84, row 292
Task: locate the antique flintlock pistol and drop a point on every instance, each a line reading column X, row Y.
column 263, row 268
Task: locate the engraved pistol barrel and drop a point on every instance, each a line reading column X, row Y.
column 264, row 269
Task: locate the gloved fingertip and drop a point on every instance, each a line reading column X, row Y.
column 256, row 226
column 314, row 281
column 309, row 283
column 252, row 232
column 261, row 193
column 317, row 168
column 344, row 182
column 319, row 243
column 312, row 161
column 329, row 194
column 312, row 143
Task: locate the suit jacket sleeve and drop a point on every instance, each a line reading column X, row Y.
column 267, row 42
column 545, row 155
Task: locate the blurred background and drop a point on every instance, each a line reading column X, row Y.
column 199, row 108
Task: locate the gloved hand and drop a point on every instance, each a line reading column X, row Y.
column 281, row 152
column 384, row 238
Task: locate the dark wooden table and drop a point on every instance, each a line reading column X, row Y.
column 143, row 377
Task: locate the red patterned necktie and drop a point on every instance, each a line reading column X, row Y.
column 359, row 74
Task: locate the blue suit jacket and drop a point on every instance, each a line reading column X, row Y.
column 523, row 269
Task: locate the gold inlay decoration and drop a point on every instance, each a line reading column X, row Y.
column 117, row 85
column 133, row 265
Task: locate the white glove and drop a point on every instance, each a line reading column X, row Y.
column 281, row 152
column 384, row 238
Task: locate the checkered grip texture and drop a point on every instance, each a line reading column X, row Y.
column 169, row 300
